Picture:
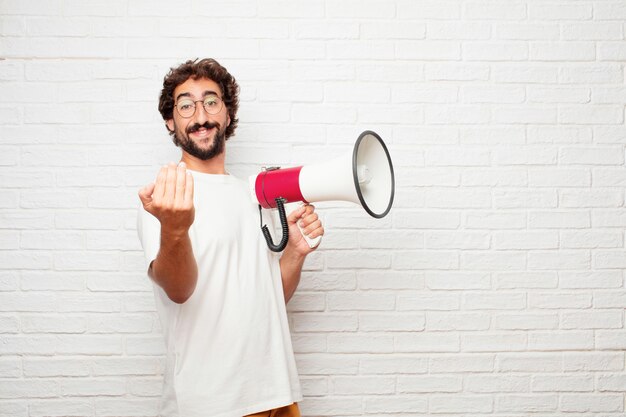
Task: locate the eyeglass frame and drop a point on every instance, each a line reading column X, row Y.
column 195, row 106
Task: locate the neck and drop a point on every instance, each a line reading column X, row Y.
column 215, row 165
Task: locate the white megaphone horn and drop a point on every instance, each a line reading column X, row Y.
column 364, row 176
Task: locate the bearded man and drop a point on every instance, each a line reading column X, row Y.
column 220, row 292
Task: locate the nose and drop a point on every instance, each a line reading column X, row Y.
column 200, row 116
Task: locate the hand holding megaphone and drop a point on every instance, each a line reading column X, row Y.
column 364, row 176
column 308, row 224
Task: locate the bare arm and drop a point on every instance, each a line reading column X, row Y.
column 297, row 249
column 170, row 200
column 290, row 270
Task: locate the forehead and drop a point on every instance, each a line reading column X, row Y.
column 197, row 87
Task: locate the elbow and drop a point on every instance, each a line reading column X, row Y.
column 179, row 297
column 179, row 291
column 179, row 300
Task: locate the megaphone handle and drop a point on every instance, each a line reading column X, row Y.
column 312, row 242
column 283, row 225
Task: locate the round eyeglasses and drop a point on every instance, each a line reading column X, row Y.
column 186, row 107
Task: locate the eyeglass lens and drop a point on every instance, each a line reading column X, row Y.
column 187, row 107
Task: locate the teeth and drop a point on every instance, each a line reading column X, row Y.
column 201, row 131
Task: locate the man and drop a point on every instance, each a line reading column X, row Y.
column 220, row 293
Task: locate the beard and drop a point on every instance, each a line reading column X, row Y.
column 183, row 141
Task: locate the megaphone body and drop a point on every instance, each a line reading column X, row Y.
column 364, row 176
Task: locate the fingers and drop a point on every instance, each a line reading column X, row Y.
column 307, row 215
column 173, row 186
column 170, row 185
column 311, row 226
column 314, row 229
column 159, row 188
column 181, row 179
column 170, row 198
column 296, row 214
column 310, row 223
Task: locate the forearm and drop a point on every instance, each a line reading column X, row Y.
column 175, row 269
column 290, row 269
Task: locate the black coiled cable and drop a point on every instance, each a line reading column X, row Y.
column 280, row 205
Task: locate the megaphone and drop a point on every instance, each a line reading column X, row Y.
column 364, row 177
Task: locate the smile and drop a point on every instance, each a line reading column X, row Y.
column 202, row 133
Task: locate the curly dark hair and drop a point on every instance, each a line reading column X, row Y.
column 205, row 68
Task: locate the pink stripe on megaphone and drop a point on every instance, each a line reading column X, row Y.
column 278, row 183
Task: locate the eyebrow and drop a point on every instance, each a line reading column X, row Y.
column 206, row 93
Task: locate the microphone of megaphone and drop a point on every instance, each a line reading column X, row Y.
column 364, row 176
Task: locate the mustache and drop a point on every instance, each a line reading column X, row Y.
column 205, row 125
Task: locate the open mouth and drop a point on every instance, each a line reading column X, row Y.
column 202, row 133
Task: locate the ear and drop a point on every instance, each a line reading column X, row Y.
column 228, row 121
column 169, row 123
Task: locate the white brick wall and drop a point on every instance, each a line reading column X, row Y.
column 495, row 286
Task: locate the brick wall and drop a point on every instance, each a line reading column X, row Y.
column 494, row 287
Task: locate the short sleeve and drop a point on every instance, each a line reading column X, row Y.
column 149, row 231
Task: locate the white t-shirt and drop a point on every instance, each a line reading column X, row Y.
column 229, row 350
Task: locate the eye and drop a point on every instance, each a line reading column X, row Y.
column 185, row 105
column 211, row 102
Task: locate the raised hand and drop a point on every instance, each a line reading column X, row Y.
column 170, row 198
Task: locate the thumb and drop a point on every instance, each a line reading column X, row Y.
column 295, row 215
column 145, row 194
